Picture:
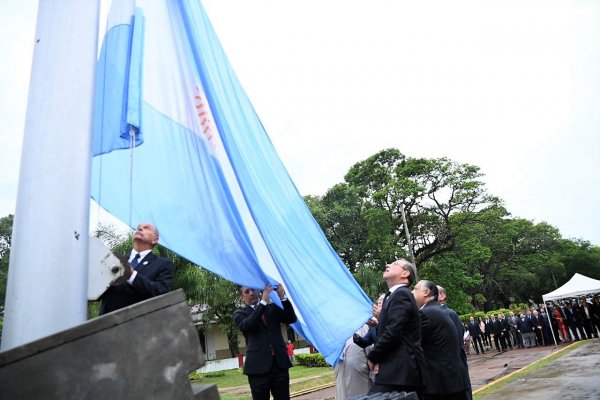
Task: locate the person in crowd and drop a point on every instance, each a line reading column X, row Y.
column 538, row 323
column 526, row 328
column 514, row 332
column 581, row 319
column 560, row 322
column 504, row 332
column 484, row 337
column 546, row 326
column 397, row 355
column 352, row 375
column 570, row 320
column 475, row 332
column 146, row 274
column 495, row 330
column 446, row 375
column 467, row 339
column 488, row 331
column 290, row 350
column 371, row 336
column 458, row 326
column 595, row 312
column 267, row 364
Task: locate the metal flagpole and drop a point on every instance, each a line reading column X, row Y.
column 47, row 277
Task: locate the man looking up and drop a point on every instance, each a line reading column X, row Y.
column 267, row 364
column 445, row 370
column 397, row 353
column 147, row 275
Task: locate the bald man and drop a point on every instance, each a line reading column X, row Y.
column 147, row 275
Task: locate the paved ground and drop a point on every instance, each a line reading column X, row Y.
column 573, row 376
column 576, row 375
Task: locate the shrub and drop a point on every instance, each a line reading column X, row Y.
column 311, row 360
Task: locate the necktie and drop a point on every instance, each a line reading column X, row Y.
column 134, row 262
column 387, row 294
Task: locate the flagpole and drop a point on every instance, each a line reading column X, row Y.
column 47, row 277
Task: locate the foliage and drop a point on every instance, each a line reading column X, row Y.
column 370, row 281
column 464, row 239
column 311, row 360
column 6, row 224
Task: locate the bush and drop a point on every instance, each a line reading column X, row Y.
column 311, row 360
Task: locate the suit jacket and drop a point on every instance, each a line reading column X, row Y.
column 474, row 329
column 504, row 326
column 525, row 325
column 368, row 339
column 595, row 311
column 446, row 372
column 458, row 326
column 398, row 347
column 264, row 343
column 495, row 327
column 154, row 277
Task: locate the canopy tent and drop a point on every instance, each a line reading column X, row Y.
column 578, row 285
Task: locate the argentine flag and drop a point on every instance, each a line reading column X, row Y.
column 177, row 142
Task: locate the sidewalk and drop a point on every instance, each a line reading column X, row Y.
column 488, row 367
column 575, row 375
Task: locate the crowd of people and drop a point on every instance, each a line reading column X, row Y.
column 565, row 321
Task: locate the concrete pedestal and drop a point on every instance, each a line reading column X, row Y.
column 144, row 351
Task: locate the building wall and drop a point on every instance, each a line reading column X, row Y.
column 216, row 342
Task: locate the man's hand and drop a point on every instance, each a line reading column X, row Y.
column 266, row 291
column 376, row 310
column 372, row 321
column 373, row 367
column 280, row 291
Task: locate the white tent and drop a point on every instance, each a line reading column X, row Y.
column 578, row 285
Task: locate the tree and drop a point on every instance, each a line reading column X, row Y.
column 6, row 224
column 362, row 218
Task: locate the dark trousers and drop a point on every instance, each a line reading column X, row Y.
column 487, row 339
column 497, row 341
column 477, row 340
column 589, row 328
column 573, row 328
column 276, row 382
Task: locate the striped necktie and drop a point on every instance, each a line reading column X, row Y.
column 135, row 261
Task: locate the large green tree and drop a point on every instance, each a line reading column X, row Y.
column 362, row 217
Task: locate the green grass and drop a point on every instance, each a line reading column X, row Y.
column 295, row 387
column 523, row 373
column 235, row 377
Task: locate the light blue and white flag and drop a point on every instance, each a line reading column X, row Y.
column 203, row 169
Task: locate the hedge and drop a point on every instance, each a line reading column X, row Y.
column 311, row 360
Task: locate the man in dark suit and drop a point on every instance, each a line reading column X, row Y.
column 458, row 326
column 475, row 332
column 446, row 374
column 595, row 313
column 146, row 274
column 504, row 332
column 496, row 329
column 267, row 364
column 397, row 354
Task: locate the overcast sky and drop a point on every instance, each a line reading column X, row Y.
column 512, row 87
